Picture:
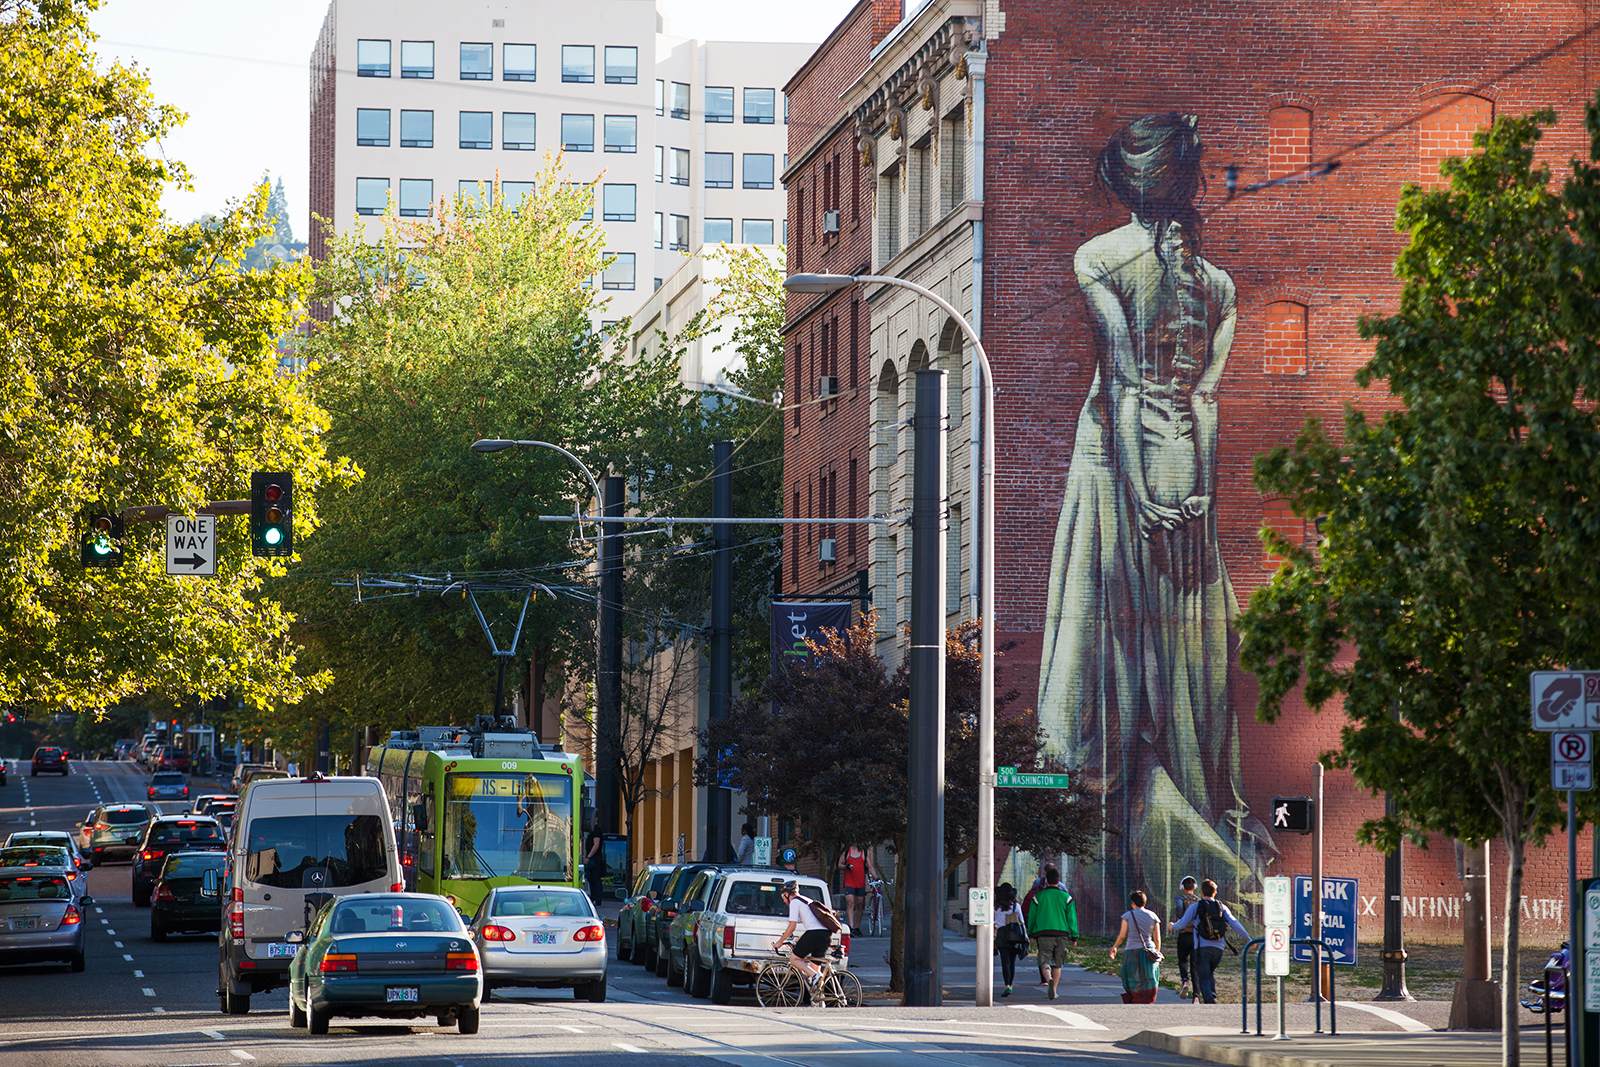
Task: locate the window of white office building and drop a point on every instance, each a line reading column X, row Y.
column 521, row 62
column 577, row 133
column 416, row 196
column 719, row 103
column 416, row 129
column 477, row 129
column 588, row 210
column 577, row 62
column 680, row 100
column 661, row 98
column 372, row 59
column 719, row 170
column 660, row 226
column 680, row 233
column 621, row 203
column 755, row 232
column 517, row 130
column 719, row 231
column 416, row 59
column 622, row 133
column 622, row 65
column 620, row 274
column 679, row 173
column 372, row 196
column 475, row 193
column 477, row 62
column 513, row 193
column 661, row 163
column 760, row 106
column 372, row 127
column 758, row 170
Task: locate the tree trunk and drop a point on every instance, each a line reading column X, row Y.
column 1511, row 971
column 897, row 926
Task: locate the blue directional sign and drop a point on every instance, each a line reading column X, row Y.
column 1339, row 896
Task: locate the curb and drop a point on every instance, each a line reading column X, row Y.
column 1196, row 1049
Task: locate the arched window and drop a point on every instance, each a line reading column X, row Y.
column 1278, row 516
column 1448, row 132
column 1285, row 347
column 885, row 465
column 1288, row 141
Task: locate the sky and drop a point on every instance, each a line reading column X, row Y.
column 239, row 69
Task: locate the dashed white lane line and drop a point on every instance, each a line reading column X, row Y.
column 104, row 922
column 101, row 911
column 127, row 957
column 113, row 933
column 574, row 1029
column 628, row 1048
column 161, row 1010
column 214, row 1035
column 241, row 1053
column 119, row 944
column 138, row 974
column 149, row 992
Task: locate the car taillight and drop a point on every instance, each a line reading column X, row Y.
column 340, row 963
column 72, row 917
column 727, row 938
column 185, row 790
column 236, row 915
column 102, row 826
column 590, row 933
column 498, row 933
column 165, row 893
column 646, row 904
column 461, row 961
column 844, row 943
column 398, row 887
column 72, row 876
column 147, row 855
column 152, row 791
column 407, row 860
column 671, row 913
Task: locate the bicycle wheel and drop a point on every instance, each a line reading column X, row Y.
column 778, row 986
column 844, row 990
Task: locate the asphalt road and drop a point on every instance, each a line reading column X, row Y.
column 141, row 1003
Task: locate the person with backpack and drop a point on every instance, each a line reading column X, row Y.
column 1210, row 920
column 1186, row 897
column 1053, row 921
column 817, row 924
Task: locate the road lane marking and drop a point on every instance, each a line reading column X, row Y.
column 1080, row 1022
column 214, row 1035
column 574, row 1029
column 627, row 1047
column 103, row 922
column 1404, row 1022
column 113, row 933
column 149, row 992
column 119, row 944
column 241, row 1053
column 127, row 957
column 101, row 911
column 138, row 974
column 162, row 1010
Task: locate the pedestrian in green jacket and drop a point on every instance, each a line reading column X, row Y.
column 1053, row 922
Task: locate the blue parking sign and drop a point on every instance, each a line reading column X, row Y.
column 1339, row 896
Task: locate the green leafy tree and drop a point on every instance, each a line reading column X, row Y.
column 137, row 367
column 1459, row 530
column 828, row 745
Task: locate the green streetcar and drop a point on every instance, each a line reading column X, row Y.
column 478, row 807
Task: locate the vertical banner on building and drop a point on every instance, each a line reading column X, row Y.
column 793, row 623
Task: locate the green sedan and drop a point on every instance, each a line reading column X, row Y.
column 390, row 955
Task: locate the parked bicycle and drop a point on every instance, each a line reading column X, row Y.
column 875, row 912
column 779, row 984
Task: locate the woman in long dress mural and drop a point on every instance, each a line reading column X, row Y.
column 1134, row 675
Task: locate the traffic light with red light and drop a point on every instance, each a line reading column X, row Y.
column 102, row 540
column 272, row 513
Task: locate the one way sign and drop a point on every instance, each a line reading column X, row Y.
column 192, row 545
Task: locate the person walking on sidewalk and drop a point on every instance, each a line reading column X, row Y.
column 1027, row 906
column 1011, row 933
column 858, row 867
column 1186, row 897
column 1210, row 920
column 1053, row 919
column 1141, row 960
column 747, row 845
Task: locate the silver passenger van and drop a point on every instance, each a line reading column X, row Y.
column 297, row 844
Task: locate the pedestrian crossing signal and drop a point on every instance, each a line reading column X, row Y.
column 1293, row 815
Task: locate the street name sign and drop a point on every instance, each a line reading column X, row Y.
column 1008, row 778
column 1339, row 897
column 1572, row 760
column 1565, row 700
column 1276, row 909
column 762, row 856
column 192, row 545
column 980, row 907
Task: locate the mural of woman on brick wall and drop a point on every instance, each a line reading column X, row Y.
column 1134, row 675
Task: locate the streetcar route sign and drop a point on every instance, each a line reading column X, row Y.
column 1572, row 760
column 762, row 855
column 1564, row 700
column 192, row 545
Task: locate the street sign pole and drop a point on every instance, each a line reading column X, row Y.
column 1277, row 911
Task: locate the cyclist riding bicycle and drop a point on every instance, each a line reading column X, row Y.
column 814, row 938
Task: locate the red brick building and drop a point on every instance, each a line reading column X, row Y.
column 1061, row 171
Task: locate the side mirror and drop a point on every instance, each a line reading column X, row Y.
column 86, row 865
column 86, row 901
column 296, row 937
column 208, row 883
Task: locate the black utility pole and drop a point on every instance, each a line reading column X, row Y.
column 719, row 801
column 1394, row 945
column 924, row 973
column 608, row 698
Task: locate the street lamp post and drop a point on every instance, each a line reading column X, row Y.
column 602, row 775
column 829, row 283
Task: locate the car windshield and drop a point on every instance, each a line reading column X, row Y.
column 124, row 816
column 186, row 830
column 500, row 824
column 541, row 902
column 169, row 778
column 40, row 840
column 760, row 898
column 292, row 851
column 380, row 914
column 193, row 864
column 34, row 887
column 34, row 856
column 48, row 752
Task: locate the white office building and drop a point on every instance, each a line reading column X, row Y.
column 684, row 139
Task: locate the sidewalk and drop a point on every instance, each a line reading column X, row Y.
column 1357, row 1049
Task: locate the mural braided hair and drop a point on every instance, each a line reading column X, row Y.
column 1152, row 166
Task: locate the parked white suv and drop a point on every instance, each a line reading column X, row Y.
column 744, row 915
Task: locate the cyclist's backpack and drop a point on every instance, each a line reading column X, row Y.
column 1208, row 921
column 825, row 915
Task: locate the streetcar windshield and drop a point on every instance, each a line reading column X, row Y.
column 508, row 824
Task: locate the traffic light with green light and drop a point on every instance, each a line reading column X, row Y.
column 102, row 541
column 272, row 513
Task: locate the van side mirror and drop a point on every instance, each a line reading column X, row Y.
column 208, row 883
column 295, row 937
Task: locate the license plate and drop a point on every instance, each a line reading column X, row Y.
column 536, row 938
column 278, row 950
column 25, row 924
column 402, row 994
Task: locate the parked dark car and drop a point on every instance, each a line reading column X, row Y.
column 168, row 834
column 173, row 759
column 47, row 758
column 681, row 930
column 114, row 830
column 179, row 905
column 661, row 916
column 630, row 920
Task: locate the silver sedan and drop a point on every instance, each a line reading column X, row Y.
column 40, row 917
column 544, row 937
